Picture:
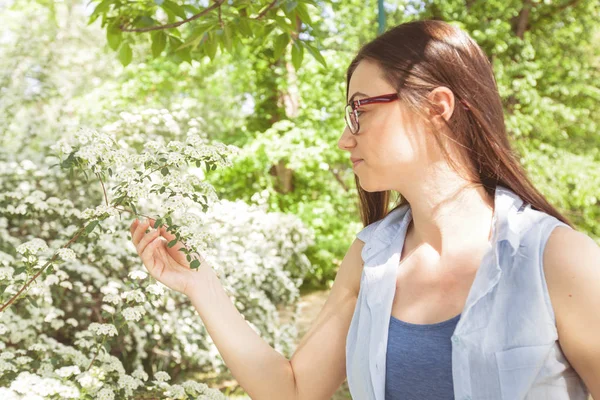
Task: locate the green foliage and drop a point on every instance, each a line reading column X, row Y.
column 188, row 32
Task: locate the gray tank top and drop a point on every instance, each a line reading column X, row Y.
column 419, row 360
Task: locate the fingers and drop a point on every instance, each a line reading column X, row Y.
column 133, row 225
column 147, row 254
column 146, row 240
column 139, row 232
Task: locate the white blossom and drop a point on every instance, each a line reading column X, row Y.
column 66, row 372
column 134, row 295
column 103, row 329
column 112, row 298
column 162, row 376
column 155, row 289
column 33, row 246
column 105, row 394
column 138, row 275
column 133, row 313
column 66, row 254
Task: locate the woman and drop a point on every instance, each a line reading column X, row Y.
column 472, row 287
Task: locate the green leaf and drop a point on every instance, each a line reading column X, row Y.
column 32, row 301
column 315, row 53
column 290, row 6
column 244, row 27
column 125, row 54
column 101, row 8
column 110, row 171
column 159, row 42
column 281, row 22
column 114, row 36
column 297, row 54
column 195, row 264
column 174, row 8
column 183, row 55
column 172, row 243
column 164, row 171
column 280, row 43
column 91, row 226
column 303, row 13
column 210, row 45
column 19, row 270
column 227, row 38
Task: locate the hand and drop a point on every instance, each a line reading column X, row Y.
column 166, row 264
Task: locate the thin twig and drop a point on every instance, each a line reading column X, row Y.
column 175, row 24
column 97, row 352
column 103, row 188
column 12, row 299
column 264, row 12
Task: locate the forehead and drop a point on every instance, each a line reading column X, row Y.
column 367, row 78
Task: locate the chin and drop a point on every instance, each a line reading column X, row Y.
column 369, row 188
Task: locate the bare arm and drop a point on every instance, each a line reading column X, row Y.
column 319, row 363
column 572, row 269
column 260, row 370
column 317, row 368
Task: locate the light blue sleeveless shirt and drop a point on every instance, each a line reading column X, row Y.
column 505, row 345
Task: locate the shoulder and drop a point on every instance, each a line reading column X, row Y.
column 569, row 257
column 571, row 263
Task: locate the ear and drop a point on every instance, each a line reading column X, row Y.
column 442, row 99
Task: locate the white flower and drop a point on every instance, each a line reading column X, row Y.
column 176, row 392
column 162, row 376
column 112, row 298
column 33, row 246
column 23, row 360
column 138, row 275
column 66, row 285
column 66, row 254
column 133, row 313
column 103, row 329
column 105, row 394
column 194, row 388
column 155, row 289
column 66, row 372
column 88, row 381
column 129, row 384
column 140, row 374
column 134, row 295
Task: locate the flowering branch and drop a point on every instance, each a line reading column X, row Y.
column 12, row 299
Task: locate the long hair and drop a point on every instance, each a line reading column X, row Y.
column 416, row 57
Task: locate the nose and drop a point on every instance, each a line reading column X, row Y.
column 347, row 140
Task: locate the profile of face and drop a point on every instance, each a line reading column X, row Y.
column 394, row 143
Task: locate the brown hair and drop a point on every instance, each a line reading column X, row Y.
column 419, row 56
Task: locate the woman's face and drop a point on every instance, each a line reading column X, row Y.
column 391, row 141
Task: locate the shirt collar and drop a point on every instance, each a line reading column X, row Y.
column 507, row 205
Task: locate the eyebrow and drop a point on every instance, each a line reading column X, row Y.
column 356, row 94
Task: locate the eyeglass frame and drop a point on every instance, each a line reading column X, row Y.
column 384, row 98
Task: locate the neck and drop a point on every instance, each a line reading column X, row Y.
column 450, row 216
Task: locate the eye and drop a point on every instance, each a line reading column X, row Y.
column 359, row 112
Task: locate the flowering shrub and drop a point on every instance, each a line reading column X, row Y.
column 79, row 316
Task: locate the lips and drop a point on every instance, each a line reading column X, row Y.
column 356, row 161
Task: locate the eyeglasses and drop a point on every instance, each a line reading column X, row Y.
column 352, row 112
